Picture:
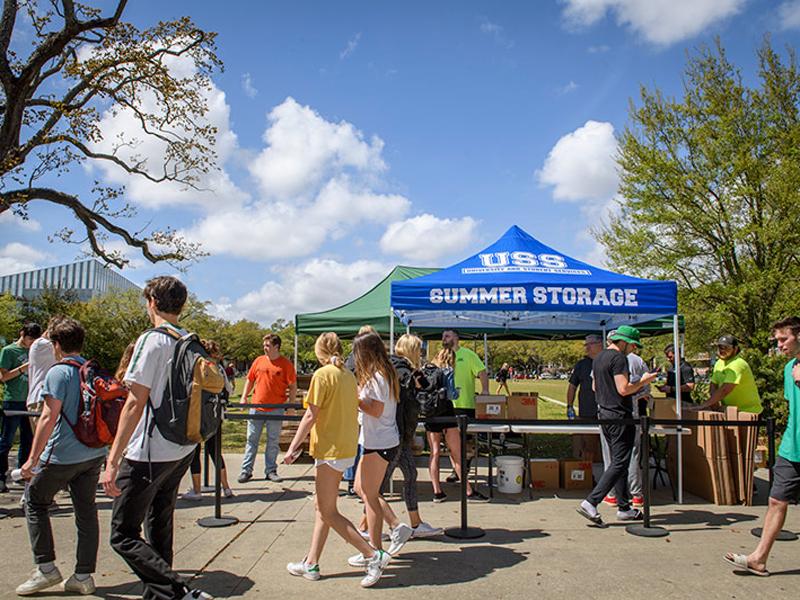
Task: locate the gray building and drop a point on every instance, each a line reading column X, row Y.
column 87, row 279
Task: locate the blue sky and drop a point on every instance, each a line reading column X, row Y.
column 360, row 135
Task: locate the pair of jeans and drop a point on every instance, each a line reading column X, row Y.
column 635, row 466
column 10, row 426
column 149, row 493
column 81, row 480
column 350, row 473
column 254, row 427
column 620, row 439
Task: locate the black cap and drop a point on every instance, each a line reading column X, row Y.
column 727, row 340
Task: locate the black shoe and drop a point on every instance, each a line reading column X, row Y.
column 440, row 497
column 351, row 492
column 244, row 477
column 452, row 478
column 476, row 496
column 3, row 487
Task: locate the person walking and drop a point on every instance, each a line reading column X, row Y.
column 613, row 391
column 786, row 471
column 269, row 378
column 14, row 375
column 502, row 379
column 59, row 460
column 331, row 419
column 143, row 469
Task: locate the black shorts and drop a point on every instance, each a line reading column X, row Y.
column 387, row 454
column 440, row 427
column 785, row 480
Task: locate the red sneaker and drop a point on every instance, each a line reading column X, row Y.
column 610, row 500
column 638, row 502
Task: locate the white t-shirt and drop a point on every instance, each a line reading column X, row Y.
column 378, row 433
column 150, row 367
column 41, row 356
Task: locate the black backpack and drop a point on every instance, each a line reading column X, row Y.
column 434, row 399
column 407, row 410
column 191, row 404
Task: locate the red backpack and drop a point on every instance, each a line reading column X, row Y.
column 100, row 406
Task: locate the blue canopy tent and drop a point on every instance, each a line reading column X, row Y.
column 520, row 284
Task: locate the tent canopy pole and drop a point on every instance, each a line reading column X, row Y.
column 391, row 330
column 678, row 407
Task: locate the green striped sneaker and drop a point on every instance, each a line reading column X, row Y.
column 303, row 569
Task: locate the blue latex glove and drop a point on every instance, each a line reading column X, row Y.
column 570, row 413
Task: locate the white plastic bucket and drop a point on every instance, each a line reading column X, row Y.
column 509, row 474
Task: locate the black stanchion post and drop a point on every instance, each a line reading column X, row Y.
column 217, row 520
column 644, row 529
column 783, row 535
column 464, row 532
column 205, row 470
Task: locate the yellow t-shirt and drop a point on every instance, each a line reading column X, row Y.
column 745, row 395
column 335, row 432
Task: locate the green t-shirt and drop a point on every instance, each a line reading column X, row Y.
column 12, row 356
column 790, row 446
column 745, row 395
column 468, row 365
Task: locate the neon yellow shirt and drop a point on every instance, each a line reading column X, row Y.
column 468, row 365
column 745, row 395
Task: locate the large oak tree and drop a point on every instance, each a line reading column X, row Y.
column 63, row 66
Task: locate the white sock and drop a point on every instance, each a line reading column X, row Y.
column 82, row 576
column 47, row 567
column 589, row 508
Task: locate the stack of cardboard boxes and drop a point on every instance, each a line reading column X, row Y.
column 516, row 407
column 566, row 474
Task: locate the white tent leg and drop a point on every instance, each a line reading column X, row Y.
column 295, row 353
column 485, row 350
column 678, row 407
column 391, row 330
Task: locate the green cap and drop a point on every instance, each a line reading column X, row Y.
column 626, row 333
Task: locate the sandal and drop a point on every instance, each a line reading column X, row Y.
column 739, row 561
column 596, row 519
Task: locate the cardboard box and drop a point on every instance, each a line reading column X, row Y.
column 544, row 473
column 491, row 407
column 523, row 407
column 576, row 474
column 664, row 408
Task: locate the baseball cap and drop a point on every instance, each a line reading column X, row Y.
column 626, row 333
column 727, row 340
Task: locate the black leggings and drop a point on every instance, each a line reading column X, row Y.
column 194, row 468
column 405, row 460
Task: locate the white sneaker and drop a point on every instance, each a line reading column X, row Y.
column 39, row 581
column 424, row 530
column 76, row 586
column 191, row 495
column 197, row 595
column 228, row 493
column 303, row 569
column 357, row 560
column 375, row 567
column 399, row 536
column 633, row 514
column 365, row 534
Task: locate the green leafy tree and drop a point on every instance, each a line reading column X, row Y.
column 709, row 185
column 63, row 64
column 10, row 317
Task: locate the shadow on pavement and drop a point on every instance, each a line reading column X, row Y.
column 223, row 584
column 498, row 536
column 710, row 520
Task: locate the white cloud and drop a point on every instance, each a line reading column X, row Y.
column 316, row 284
column 789, row 15
column 496, row 31
column 660, row 22
column 8, row 218
column 18, row 258
column 425, row 238
column 247, row 86
column 352, row 44
column 216, row 189
column 581, row 166
column 568, row 88
column 598, row 49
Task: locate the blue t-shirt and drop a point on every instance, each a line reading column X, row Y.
column 790, row 446
column 63, row 382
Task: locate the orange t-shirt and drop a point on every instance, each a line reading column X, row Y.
column 272, row 378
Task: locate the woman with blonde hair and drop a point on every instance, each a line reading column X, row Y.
column 445, row 359
column 331, row 419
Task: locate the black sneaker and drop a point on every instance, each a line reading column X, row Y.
column 452, row 478
column 440, row 497
column 476, row 496
column 3, row 487
column 351, row 491
column 244, row 477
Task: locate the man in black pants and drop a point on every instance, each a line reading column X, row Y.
column 613, row 391
column 145, row 483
